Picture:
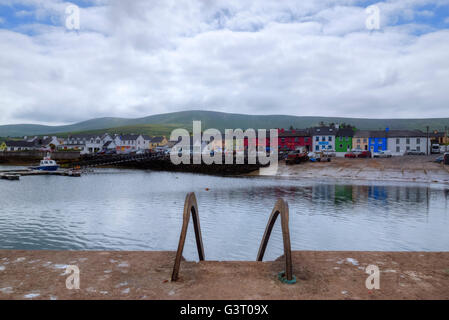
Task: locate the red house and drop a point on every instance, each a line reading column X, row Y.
column 292, row 139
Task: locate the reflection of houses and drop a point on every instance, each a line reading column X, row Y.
column 294, row 139
column 401, row 141
column 323, row 193
column 323, row 138
column 343, row 193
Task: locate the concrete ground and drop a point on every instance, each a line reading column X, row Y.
column 146, row 275
column 407, row 168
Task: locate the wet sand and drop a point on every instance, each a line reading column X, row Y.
column 146, row 275
column 406, row 169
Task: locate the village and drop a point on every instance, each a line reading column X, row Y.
column 334, row 140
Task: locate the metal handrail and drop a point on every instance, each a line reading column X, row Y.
column 281, row 207
column 190, row 206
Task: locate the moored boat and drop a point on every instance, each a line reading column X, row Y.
column 47, row 164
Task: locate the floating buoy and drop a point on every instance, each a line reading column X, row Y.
column 207, row 189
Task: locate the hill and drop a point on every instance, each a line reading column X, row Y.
column 218, row 120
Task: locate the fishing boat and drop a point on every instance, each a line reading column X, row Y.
column 47, row 164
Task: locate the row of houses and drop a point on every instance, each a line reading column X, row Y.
column 86, row 143
column 321, row 138
column 343, row 140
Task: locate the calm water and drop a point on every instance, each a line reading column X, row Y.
column 142, row 210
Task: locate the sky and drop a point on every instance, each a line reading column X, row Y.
column 142, row 57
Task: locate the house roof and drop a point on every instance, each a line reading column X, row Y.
column 362, row 134
column 345, row 132
column 130, row 136
column 82, row 136
column 406, row 133
column 294, row 133
column 324, row 131
column 378, row 134
column 157, row 139
column 20, row 143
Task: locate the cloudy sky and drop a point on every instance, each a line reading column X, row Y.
column 301, row 57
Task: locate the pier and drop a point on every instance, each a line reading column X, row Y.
column 16, row 174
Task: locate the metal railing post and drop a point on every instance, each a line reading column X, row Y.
column 281, row 207
column 190, row 206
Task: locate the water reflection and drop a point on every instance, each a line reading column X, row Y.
column 141, row 210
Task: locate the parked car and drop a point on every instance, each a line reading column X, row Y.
column 383, row 154
column 350, row 155
column 440, row 159
column 364, row 154
column 435, row 148
column 296, row 156
column 446, row 158
column 415, row 152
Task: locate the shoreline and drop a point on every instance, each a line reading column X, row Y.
column 408, row 169
column 146, row 275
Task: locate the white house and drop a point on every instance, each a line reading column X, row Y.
column 323, row 138
column 132, row 142
column 92, row 143
column 401, row 141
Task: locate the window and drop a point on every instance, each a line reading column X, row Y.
column 364, row 140
column 341, row 146
column 408, row 148
column 418, row 141
column 317, row 148
column 306, row 139
column 323, row 138
column 358, row 140
column 329, row 147
column 358, row 147
column 398, row 149
column 330, row 138
column 296, row 139
column 398, row 141
column 317, row 139
column 347, row 139
column 407, row 141
column 282, row 140
column 418, row 148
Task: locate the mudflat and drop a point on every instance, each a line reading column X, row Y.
column 406, row 169
column 146, row 275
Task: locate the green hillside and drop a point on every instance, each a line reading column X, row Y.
column 218, row 120
column 148, row 129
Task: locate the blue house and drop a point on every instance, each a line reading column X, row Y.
column 378, row 141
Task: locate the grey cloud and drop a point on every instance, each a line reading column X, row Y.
column 138, row 58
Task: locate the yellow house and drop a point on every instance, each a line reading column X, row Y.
column 2, row 146
column 361, row 140
column 158, row 142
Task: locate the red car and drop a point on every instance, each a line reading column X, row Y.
column 350, row 155
column 365, row 154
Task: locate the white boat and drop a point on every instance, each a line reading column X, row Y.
column 47, row 164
